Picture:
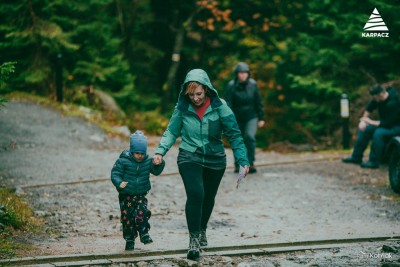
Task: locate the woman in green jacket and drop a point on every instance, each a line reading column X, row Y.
column 200, row 117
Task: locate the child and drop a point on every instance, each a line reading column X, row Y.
column 131, row 176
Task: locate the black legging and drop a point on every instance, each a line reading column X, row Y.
column 201, row 185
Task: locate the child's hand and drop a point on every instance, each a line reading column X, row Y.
column 157, row 159
column 123, row 184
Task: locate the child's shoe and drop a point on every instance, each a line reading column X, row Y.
column 130, row 245
column 148, row 214
column 146, row 239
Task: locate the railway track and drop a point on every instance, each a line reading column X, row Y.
column 148, row 256
column 261, row 165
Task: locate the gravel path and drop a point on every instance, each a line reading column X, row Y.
column 281, row 203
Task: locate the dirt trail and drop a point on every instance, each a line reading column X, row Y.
column 280, row 203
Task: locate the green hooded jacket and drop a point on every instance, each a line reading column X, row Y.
column 202, row 139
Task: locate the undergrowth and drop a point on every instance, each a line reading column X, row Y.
column 16, row 219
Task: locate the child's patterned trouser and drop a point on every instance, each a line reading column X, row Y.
column 134, row 215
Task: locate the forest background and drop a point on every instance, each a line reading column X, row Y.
column 304, row 55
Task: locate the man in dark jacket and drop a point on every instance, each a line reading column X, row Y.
column 243, row 97
column 387, row 102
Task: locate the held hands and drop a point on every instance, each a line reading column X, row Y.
column 123, row 184
column 260, row 124
column 157, row 159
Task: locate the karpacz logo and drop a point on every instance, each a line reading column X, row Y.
column 375, row 34
column 376, row 26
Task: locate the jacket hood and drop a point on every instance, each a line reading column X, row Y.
column 200, row 76
column 242, row 67
column 128, row 155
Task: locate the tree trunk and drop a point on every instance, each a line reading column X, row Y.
column 168, row 86
column 126, row 13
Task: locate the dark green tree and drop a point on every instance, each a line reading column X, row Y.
column 35, row 32
column 5, row 70
column 303, row 54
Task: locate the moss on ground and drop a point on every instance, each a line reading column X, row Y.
column 16, row 220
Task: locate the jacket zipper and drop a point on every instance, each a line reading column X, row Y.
column 202, row 141
column 201, row 133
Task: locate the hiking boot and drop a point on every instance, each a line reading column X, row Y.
column 252, row 169
column 370, row 165
column 146, row 239
column 147, row 214
column 130, row 245
column 203, row 239
column 351, row 160
column 194, row 246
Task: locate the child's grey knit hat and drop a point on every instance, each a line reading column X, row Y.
column 138, row 142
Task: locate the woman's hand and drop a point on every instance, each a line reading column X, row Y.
column 242, row 174
column 246, row 169
column 123, row 184
column 157, row 159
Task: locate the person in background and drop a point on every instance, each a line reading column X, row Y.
column 387, row 102
column 131, row 177
column 200, row 117
column 243, row 97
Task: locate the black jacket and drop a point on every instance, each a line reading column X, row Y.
column 244, row 100
column 389, row 110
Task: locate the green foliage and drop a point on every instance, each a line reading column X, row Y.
column 7, row 248
column 324, row 59
column 132, row 101
column 5, row 70
column 36, row 32
column 303, row 54
column 150, row 121
column 15, row 217
column 14, row 211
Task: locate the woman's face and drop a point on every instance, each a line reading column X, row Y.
column 198, row 97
